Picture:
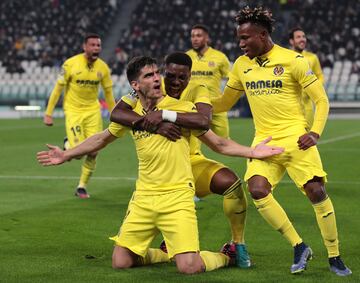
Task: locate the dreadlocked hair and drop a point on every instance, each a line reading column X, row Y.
column 258, row 16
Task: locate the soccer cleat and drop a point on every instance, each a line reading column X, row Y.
column 81, row 193
column 302, row 254
column 163, row 246
column 242, row 256
column 66, row 144
column 229, row 249
column 338, row 267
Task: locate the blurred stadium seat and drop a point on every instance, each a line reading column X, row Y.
column 38, row 36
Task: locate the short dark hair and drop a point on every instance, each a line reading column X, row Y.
column 258, row 16
column 136, row 64
column 201, row 26
column 292, row 31
column 90, row 35
column 179, row 58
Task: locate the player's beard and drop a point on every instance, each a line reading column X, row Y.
column 199, row 49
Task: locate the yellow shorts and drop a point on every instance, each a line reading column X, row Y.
column 80, row 126
column 173, row 214
column 203, row 170
column 301, row 165
column 220, row 124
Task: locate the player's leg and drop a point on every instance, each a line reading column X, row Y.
column 178, row 224
column 75, row 133
column 214, row 177
column 136, row 234
column 220, row 124
column 262, row 177
column 92, row 124
column 227, row 183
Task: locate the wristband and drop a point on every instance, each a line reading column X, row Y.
column 169, row 116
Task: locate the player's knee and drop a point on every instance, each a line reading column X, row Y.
column 223, row 180
column 188, row 268
column 121, row 263
column 122, row 258
column 258, row 192
column 316, row 194
column 189, row 263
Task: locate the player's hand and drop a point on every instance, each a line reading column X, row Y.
column 152, row 120
column 48, row 120
column 308, row 140
column 53, row 156
column 262, row 150
column 169, row 130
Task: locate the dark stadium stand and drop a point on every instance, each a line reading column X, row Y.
column 36, row 36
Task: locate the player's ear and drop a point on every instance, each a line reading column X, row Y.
column 291, row 41
column 135, row 85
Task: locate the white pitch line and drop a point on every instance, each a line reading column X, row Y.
column 356, row 182
column 64, row 177
column 345, row 137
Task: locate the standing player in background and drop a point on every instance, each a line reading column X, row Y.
column 273, row 78
column 210, row 176
column 297, row 40
column 210, row 67
column 80, row 78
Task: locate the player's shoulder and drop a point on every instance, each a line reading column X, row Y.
column 217, row 53
column 74, row 59
column 309, row 54
column 101, row 62
column 191, row 52
column 174, row 104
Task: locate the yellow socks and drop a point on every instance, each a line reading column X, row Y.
column 155, row 256
column 235, row 206
column 213, row 260
column 87, row 169
column 325, row 216
column 274, row 214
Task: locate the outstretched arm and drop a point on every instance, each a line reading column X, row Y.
column 231, row 148
column 56, row 156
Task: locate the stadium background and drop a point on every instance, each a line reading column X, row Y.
column 37, row 36
column 46, row 235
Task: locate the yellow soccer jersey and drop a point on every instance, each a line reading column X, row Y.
column 273, row 85
column 82, row 83
column 316, row 68
column 314, row 63
column 209, row 69
column 163, row 165
column 192, row 93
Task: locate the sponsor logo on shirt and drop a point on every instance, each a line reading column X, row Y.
column 263, row 87
column 202, row 73
column 99, row 75
column 278, row 70
column 211, row 64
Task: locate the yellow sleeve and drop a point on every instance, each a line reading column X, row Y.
column 317, row 70
column 227, row 100
column 130, row 99
column 301, row 71
column 106, row 81
column 225, row 67
column 62, row 79
column 109, row 98
column 318, row 95
column 202, row 94
column 117, row 130
column 54, row 98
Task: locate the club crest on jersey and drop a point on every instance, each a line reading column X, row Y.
column 278, row 70
column 211, row 64
column 99, row 75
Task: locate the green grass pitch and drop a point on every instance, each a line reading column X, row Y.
column 48, row 235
